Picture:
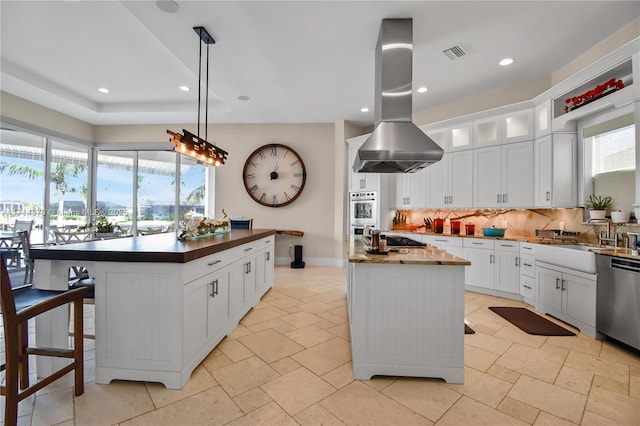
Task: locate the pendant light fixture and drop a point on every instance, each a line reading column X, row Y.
column 193, row 145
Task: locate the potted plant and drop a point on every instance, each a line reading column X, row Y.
column 598, row 206
column 620, row 216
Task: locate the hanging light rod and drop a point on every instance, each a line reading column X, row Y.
column 193, row 145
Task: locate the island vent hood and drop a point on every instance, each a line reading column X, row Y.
column 396, row 144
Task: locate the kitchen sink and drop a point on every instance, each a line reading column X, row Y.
column 571, row 256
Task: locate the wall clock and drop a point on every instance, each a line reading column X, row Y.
column 274, row 175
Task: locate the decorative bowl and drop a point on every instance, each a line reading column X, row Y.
column 493, row 232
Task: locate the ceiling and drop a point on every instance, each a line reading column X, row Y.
column 297, row 61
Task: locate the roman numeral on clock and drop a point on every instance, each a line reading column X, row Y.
column 254, row 188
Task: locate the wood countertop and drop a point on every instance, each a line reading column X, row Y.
column 150, row 248
column 616, row 252
column 406, row 256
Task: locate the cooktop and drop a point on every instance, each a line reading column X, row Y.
column 397, row 241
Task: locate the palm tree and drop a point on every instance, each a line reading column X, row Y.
column 59, row 177
column 17, row 169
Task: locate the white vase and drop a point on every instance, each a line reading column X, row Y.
column 620, row 217
column 597, row 214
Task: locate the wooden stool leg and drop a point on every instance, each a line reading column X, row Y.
column 11, row 385
column 23, row 357
column 78, row 346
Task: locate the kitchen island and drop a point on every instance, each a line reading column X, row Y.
column 161, row 305
column 406, row 313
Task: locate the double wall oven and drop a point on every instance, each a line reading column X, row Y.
column 363, row 211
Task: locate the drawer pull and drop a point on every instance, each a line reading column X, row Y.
column 507, row 245
column 479, row 244
column 527, row 248
column 527, row 287
column 441, row 241
column 215, row 262
column 248, row 249
column 527, row 265
column 267, row 242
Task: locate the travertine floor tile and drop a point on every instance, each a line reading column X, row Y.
column 297, row 390
column 300, row 319
column 593, row 419
column 424, row 396
column 326, row 356
column 616, row 353
column 547, row 397
column 269, row 414
column 519, row 410
column 341, row 330
column 518, row 336
column 200, row 380
column 340, row 376
column 488, row 343
column 212, row 406
column 469, row 412
column 244, row 375
column 52, row 408
column 532, row 362
column 575, row 380
column 357, row 403
column 610, row 385
column 285, row 365
column 614, row 406
column 317, row 415
column 261, row 315
column 503, row 373
column 547, row 419
column 113, row 403
column 252, row 399
column 316, row 307
column 479, row 359
column 482, row 387
column 235, row 350
column 579, row 343
column 213, row 362
column 599, row 366
column 310, row 335
column 331, row 296
column 271, row 345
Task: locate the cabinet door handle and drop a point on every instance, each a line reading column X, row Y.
column 267, row 255
column 491, row 258
column 214, row 288
column 247, row 268
column 362, row 183
column 517, row 261
column 215, row 262
column 248, row 249
column 548, row 195
column 450, row 199
column 557, row 283
column 498, row 200
column 504, row 198
column 563, row 287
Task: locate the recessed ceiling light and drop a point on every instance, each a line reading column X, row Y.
column 506, row 61
column 364, row 109
column 103, row 90
column 422, row 89
column 243, row 98
column 184, row 88
column 168, row 6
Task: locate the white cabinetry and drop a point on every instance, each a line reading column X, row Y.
column 556, row 171
column 461, row 137
column 481, row 272
column 450, row 181
column 528, row 272
column 495, row 266
column 542, row 119
column 360, row 181
column 487, row 132
column 503, row 176
column 568, row 295
column 507, row 258
column 410, row 189
column 452, row 245
column 517, row 126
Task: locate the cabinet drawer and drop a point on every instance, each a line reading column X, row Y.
column 528, row 265
column 205, row 265
column 507, row 245
column 478, row 243
column 528, row 248
column 444, row 241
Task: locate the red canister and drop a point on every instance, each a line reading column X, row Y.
column 455, row 227
column 438, row 225
column 469, row 228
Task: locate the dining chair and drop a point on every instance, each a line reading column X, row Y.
column 18, row 307
column 26, row 254
column 241, row 223
column 10, row 246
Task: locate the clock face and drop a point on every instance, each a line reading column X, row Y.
column 274, row 175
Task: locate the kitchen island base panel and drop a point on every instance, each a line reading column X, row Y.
column 407, row 320
column 365, row 371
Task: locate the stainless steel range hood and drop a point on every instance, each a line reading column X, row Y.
column 396, row 144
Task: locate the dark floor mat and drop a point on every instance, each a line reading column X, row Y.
column 468, row 330
column 530, row 322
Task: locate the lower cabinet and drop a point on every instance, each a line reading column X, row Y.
column 507, row 258
column 568, row 295
column 481, row 272
column 495, row 266
column 528, row 272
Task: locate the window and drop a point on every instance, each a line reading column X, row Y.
column 614, row 150
column 69, row 187
column 114, row 187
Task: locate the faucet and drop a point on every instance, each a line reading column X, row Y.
column 606, row 235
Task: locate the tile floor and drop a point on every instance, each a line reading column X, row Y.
column 288, row 362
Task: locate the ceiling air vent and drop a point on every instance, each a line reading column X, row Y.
column 454, row 52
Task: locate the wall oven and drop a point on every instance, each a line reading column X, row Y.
column 363, row 209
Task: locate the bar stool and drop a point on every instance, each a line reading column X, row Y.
column 18, row 307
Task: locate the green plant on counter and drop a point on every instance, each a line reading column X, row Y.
column 597, row 202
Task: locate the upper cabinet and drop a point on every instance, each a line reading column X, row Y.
column 556, row 171
column 360, row 181
column 487, row 132
column 452, row 138
column 410, row 189
column 450, row 181
column 542, row 119
column 517, row 126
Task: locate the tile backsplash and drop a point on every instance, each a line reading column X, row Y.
column 520, row 223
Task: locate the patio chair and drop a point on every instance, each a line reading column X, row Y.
column 10, row 246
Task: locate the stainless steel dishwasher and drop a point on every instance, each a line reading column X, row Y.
column 618, row 299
